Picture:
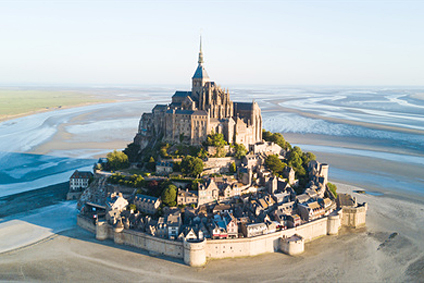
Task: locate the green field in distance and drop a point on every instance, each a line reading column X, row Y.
column 16, row 102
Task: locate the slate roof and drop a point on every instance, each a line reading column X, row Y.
column 146, row 198
column 81, row 175
column 178, row 111
column 159, row 107
column 200, row 72
column 243, row 105
column 182, row 93
column 200, row 112
column 175, row 105
column 184, row 111
column 345, row 200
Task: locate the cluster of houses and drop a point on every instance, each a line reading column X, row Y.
column 225, row 207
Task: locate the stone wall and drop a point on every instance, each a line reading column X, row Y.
column 154, row 245
column 86, row 223
column 263, row 244
column 222, row 163
column 354, row 216
column 195, row 254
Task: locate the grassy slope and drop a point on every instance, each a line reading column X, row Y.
column 16, row 102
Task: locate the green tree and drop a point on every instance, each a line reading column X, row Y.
column 241, row 151
column 117, row 160
column 137, row 181
column 216, row 140
column 169, row 195
column 266, row 135
column 192, row 166
column 307, row 157
column 274, row 164
column 276, row 138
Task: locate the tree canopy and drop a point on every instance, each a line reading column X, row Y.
column 241, row 151
column 134, row 181
column 169, row 195
column 274, row 164
column 191, row 166
column 276, row 138
column 117, row 160
column 216, row 139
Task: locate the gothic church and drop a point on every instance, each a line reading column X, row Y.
column 194, row 114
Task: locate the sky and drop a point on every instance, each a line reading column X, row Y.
column 350, row 43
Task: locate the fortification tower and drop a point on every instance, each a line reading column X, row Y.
column 200, row 77
column 194, row 253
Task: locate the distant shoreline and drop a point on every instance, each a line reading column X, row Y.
column 4, row 118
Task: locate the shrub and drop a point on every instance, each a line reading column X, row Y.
column 117, row 160
column 332, row 188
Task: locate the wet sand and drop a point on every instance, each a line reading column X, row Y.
column 34, row 199
column 388, row 249
column 374, row 253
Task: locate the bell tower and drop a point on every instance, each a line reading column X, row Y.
column 200, row 76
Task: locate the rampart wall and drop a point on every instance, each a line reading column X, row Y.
column 263, row 244
column 195, row 254
column 154, row 245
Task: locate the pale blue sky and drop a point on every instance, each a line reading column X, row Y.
column 244, row 42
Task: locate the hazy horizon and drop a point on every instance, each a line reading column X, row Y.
column 305, row 43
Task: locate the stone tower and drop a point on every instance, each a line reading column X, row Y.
column 200, row 77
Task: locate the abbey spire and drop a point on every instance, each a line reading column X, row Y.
column 200, row 77
column 200, row 52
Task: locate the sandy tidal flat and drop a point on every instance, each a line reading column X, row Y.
column 388, row 249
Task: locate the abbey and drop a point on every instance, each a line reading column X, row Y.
column 206, row 109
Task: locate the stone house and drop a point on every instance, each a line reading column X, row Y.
column 208, row 192
column 186, row 197
column 311, row 211
column 267, row 148
column 231, row 225
column 293, row 220
column 164, row 167
column 78, row 182
column 173, row 223
column 289, row 173
column 302, row 198
column 228, row 191
column 318, row 173
column 254, row 229
column 214, row 230
column 147, row 204
column 115, row 204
